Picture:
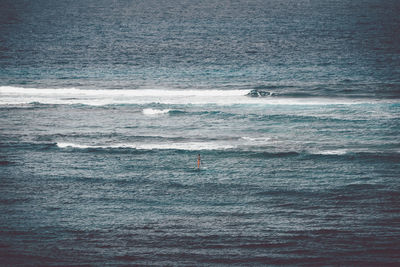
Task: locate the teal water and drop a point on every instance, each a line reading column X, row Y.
column 105, row 106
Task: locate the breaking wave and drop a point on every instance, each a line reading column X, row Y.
column 150, row 111
column 11, row 95
column 171, row 146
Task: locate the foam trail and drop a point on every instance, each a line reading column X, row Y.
column 65, row 145
column 256, row 139
column 332, row 152
column 174, row 146
column 16, row 95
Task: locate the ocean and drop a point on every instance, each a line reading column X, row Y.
column 292, row 106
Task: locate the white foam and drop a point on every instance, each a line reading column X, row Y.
column 257, row 139
column 150, row 111
column 17, row 95
column 11, row 95
column 154, row 146
column 332, row 152
column 65, row 145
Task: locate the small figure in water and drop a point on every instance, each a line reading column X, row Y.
column 198, row 161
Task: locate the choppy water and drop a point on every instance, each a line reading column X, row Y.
column 104, row 108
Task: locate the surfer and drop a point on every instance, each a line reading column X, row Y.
column 198, row 161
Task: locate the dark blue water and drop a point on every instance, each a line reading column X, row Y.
column 105, row 106
column 308, row 47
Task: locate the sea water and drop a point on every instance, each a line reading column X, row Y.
column 106, row 105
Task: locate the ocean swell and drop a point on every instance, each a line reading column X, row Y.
column 11, row 95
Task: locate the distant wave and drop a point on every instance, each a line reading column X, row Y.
column 64, row 145
column 11, row 95
column 18, row 95
column 232, row 149
column 257, row 139
column 332, row 152
column 150, row 111
column 171, row 146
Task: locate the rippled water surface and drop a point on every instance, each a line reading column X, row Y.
column 105, row 107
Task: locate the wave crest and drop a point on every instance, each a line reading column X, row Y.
column 171, row 146
column 70, row 96
column 150, row 111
